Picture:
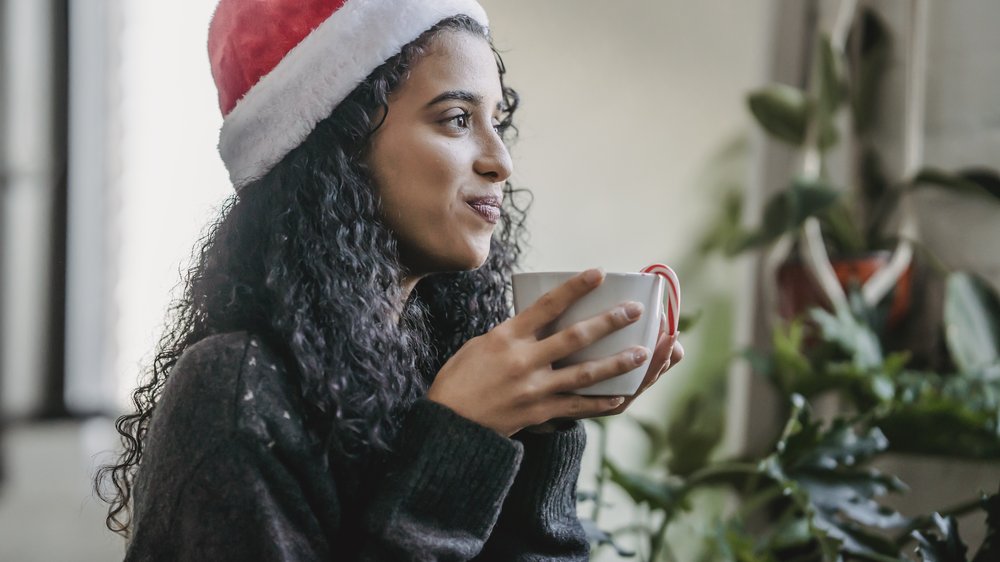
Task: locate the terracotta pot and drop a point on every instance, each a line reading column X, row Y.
column 797, row 292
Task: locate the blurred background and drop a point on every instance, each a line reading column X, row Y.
column 635, row 137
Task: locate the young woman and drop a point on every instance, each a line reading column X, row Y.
column 342, row 378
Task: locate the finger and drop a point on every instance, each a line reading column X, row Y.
column 576, row 407
column 586, row 332
column 677, row 352
column 661, row 353
column 553, row 303
column 586, row 374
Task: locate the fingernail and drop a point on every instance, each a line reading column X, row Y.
column 617, row 401
column 640, row 355
column 633, row 310
column 593, row 276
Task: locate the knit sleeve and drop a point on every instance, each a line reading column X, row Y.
column 443, row 492
column 538, row 520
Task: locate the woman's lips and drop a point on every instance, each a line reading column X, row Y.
column 487, row 207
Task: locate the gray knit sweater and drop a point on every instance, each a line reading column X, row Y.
column 230, row 473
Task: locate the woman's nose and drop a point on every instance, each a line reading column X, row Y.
column 494, row 160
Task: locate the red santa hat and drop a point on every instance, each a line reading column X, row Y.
column 282, row 66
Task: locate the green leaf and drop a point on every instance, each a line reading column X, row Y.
column 688, row 321
column 974, row 182
column 875, row 50
column 945, row 545
column 600, row 537
column 972, row 323
column 665, row 496
column 985, row 178
column 833, row 89
column 944, row 415
column 854, row 337
column 695, row 429
column 783, row 111
column 822, row 471
column 841, row 230
column 788, row 209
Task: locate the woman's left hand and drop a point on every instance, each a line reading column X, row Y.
column 667, row 353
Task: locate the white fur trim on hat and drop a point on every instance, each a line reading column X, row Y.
column 279, row 112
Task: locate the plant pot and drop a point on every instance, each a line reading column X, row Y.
column 798, row 292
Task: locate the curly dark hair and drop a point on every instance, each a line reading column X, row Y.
column 302, row 259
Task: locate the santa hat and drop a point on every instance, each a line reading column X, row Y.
column 282, row 66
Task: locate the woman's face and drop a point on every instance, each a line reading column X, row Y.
column 438, row 163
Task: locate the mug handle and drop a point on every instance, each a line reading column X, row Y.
column 673, row 301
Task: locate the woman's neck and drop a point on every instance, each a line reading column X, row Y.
column 406, row 289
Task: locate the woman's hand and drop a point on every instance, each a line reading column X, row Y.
column 667, row 353
column 504, row 379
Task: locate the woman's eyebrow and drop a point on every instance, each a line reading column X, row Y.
column 460, row 95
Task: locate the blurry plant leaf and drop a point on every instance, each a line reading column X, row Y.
column 783, row 111
column 990, row 549
column 854, row 337
column 833, row 88
column 731, row 543
column 821, row 471
column 944, row 415
column 656, row 436
column 725, row 230
column 665, row 496
column 788, row 209
column 943, row 546
column 832, row 91
column 979, row 182
column 688, row 321
column 841, row 230
column 694, row 431
column 789, row 363
column 875, row 49
column 985, row 178
column 972, row 323
column 599, row 537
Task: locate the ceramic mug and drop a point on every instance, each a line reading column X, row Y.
column 617, row 288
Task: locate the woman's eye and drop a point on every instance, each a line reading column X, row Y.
column 461, row 121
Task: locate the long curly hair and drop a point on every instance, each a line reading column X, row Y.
column 302, row 259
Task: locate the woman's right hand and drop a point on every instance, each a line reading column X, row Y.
column 504, row 379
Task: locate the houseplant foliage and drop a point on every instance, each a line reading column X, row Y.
column 814, row 495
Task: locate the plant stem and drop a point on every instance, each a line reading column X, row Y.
column 656, row 542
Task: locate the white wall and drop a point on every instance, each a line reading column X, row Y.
column 622, row 104
column 171, row 176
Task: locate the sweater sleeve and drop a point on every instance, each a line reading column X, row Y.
column 446, row 484
column 538, row 520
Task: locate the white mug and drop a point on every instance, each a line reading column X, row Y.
column 617, row 288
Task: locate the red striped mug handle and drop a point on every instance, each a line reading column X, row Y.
column 673, row 301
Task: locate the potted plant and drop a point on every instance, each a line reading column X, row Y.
column 816, row 494
column 823, row 238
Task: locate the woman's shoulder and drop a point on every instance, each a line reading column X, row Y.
column 231, row 383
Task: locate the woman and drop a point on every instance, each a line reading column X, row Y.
column 341, row 379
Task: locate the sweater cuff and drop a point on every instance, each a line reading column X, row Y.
column 546, row 482
column 460, row 472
